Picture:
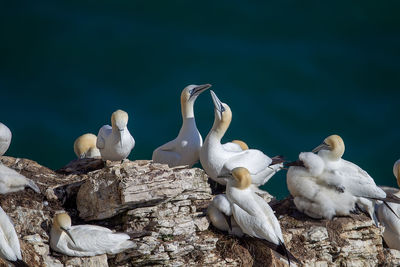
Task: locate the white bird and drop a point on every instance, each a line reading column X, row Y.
column 252, row 213
column 219, row 160
column 328, row 185
column 5, row 138
column 85, row 240
column 185, row 148
column 9, row 244
column 12, row 181
column 115, row 142
column 220, row 213
column 390, row 217
column 85, row 146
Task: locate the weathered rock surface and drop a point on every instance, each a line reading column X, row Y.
column 163, row 210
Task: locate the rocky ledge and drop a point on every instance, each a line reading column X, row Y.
column 164, row 211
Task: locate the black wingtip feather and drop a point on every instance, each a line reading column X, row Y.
column 20, row 263
column 277, row 160
column 295, row 163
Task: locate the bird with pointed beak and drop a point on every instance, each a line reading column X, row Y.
column 85, row 240
column 253, row 214
column 325, row 185
column 218, row 160
column 185, row 148
column 115, row 142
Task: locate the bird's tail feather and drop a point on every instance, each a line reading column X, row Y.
column 277, row 160
column 281, row 249
column 32, row 185
column 20, row 263
column 294, row 163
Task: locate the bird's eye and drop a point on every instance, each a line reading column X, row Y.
column 191, row 91
column 222, row 108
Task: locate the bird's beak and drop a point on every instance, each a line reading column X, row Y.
column 321, row 147
column 199, row 89
column 68, row 233
column 217, row 103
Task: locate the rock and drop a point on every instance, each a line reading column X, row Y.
column 163, row 210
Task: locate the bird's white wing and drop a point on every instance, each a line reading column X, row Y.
column 10, row 237
column 254, row 160
column 233, row 147
column 388, row 219
column 95, row 238
column 104, row 132
column 254, row 226
column 269, row 213
column 357, row 181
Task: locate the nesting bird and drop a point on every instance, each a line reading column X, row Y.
column 85, row 146
column 185, row 148
column 219, row 160
column 389, row 217
column 325, row 185
column 9, row 244
column 5, row 138
column 252, row 213
column 220, row 213
column 115, row 142
column 85, row 240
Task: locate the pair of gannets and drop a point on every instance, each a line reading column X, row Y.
column 85, row 240
column 115, row 142
column 389, row 217
column 218, row 160
column 250, row 212
column 10, row 180
column 185, row 148
column 325, row 185
column 85, row 146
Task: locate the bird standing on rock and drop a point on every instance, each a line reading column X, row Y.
column 389, row 216
column 185, row 148
column 115, row 142
column 218, row 160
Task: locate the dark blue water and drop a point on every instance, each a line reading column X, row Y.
column 292, row 73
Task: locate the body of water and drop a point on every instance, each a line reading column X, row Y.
column 292, row 73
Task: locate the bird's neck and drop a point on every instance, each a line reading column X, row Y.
column 187, row 109
column 219, row 129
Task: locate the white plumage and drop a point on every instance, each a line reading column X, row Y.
column 219, row 160
column 388, row 219
column 12, row 181
column 87, row 240
column 185, row 148
column 328, row 185
column 9, row 243
column 5, row 138
column 115, row 142
column 220, row 212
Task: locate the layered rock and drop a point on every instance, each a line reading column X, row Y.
column 164, row 212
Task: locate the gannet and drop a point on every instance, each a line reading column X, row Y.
column 115, row 142
column 185, row 148
column 328, row 185
column 85, row 240
column 389, row 217
column 9, row 244
column 252, row 213
column 12, row 181
column 5, row 138
column 220, row 213
column 85, row 146
column 219, row 160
